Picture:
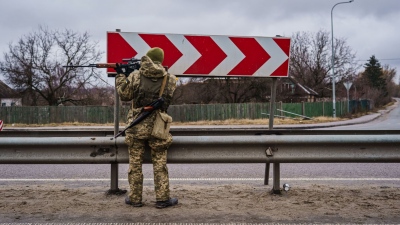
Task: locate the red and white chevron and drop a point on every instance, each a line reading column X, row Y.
column 206, row 55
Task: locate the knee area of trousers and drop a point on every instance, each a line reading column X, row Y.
column 160, row 169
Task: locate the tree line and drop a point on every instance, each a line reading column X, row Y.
column 34, row 67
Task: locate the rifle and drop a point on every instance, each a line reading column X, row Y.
column 131, row 65
column 146, row 111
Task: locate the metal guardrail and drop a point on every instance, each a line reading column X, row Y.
column 182, row 131
column 372, row 148
column 207, row 149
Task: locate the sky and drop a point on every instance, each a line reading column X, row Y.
column 370, row 27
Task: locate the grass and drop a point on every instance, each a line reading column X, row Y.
column 277, row 121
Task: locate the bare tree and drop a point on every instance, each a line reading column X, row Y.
column 389, row 74
column 310, row 60
column 234, row 89
column 196, row 90
column 239, row 89
column 188, row 91
column 33, row 65
column 207, row 90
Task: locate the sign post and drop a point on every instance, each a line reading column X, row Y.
column 347, row 85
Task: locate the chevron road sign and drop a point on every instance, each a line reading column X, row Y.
column 206, row 55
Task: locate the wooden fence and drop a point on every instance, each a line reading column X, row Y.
column 182, row 113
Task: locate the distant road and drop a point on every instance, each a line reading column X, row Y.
column 388, row 121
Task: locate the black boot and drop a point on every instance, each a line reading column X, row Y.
column 164, row 204
column 134, row 204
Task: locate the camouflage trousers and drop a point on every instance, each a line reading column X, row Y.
column 158, row 148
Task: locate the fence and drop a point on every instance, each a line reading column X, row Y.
column 182, row 113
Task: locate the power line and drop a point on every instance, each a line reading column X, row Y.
column 98, row 76
column 379, row 59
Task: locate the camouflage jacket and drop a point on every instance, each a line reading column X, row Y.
column 131, row 88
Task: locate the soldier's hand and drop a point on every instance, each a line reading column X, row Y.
column 118, row 68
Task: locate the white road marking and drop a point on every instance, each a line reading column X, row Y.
column 180, row 223
column 209, row 179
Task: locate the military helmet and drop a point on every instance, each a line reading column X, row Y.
column 156, row 54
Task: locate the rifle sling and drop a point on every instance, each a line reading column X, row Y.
column 163, row 85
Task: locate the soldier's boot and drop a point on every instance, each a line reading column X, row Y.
column 164, row 204
column 134, row 204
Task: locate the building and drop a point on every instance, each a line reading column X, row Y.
column 9, row 97
column 291, row 91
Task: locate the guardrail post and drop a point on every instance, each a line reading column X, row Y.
column 276, row 175
column 114, row 177
column 276, row 188
column 266, row 178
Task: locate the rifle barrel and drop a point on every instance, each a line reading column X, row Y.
column 97, row 65
column 78, row 66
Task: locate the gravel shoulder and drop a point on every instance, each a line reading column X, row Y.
column 211, row 203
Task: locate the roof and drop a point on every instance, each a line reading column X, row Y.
column 7, row 92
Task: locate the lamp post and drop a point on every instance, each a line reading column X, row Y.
column 333, row 61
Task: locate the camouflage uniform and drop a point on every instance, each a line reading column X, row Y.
column 134, row 88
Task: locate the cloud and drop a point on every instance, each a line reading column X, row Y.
column 369, row 26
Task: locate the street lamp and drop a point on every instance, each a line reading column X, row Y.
column 333, row 61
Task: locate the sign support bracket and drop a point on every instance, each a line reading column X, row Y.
column 114, row 166
column 276, row 171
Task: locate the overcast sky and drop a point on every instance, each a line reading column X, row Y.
column 371, row 27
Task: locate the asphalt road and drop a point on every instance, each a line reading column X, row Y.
column 322, row 173
column 389, row 120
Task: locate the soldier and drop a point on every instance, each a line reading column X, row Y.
column 142, row 87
